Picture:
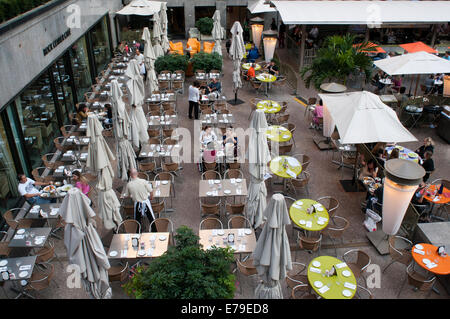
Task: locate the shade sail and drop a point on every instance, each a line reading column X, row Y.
column 141, row 8
column 363, row 12
column 417, row 47
column 258, row 6
column 361, row 117
column 414, row 63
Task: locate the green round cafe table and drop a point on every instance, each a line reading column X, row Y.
column 267, row 79
column 246, row 66
column 340, row 286
column 269, row 106
column 315, row 221
column 285, row 166
column 278, row 134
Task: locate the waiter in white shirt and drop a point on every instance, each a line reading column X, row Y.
column 27, row 189
column 141, row 192
column 194, row 96
column 140, row 60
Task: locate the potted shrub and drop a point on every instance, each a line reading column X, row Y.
column 171, row 62
column 205, row 25
column 207, row 61
column 185, row 271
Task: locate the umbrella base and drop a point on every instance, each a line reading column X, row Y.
column 235, row 102
column 350, row 186
column 322, row 144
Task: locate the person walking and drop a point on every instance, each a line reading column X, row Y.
column 282, row 35
column 141, row 192
column 194, row 96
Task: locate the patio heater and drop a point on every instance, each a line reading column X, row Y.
column 257, row 25
column 270, row 43
column 402, row 177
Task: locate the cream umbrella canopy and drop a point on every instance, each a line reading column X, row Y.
column 217, row 33
column 149, row 58
column 258, row 156
column 125, row 153
column 157, row 34
column 141, row 7
column 136, row 93
column 164, row 27
column 83, row 244
column 237, row 51
column 272, row 254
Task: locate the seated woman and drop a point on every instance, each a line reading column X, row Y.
column 253, row 54
column 370, row 169
column 82, row 113
column 230, row 138
column 395, row 153
column 428, row 145
column 207, row 136
column 317, row 115
column 108, row 121
column 397, row 83
column 81, row 182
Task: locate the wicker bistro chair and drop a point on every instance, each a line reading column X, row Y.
column 302, row 291
column 297, row 275
column 210, row 206
column 358, row 265
column 330, row 203
column 5, row 250
column 129, row 226
column 363, row 293
column 340, row 225
column 246, row 269
column 210, row 223
column 233, row 173
column 47, row 253
column 295, row 184
column 40, row 279
column 310, row 244
column 10, row 219
column 400, row 255
column 420, row 281
column 238, row 222
column 211, row 175
column 118, row 272
column 158, row 207
column 147, row 166
column 164, row 225
column 233, row 209
column 47, row 159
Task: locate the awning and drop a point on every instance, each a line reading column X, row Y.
column 363, row 12
column 258, row 6
column 141, row 8
column 417, row 47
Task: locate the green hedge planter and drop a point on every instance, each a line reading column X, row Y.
column 171, row 62
column 207, row 61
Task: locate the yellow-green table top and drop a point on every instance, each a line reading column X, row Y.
column 283, row 165
column 313, row 222
column 336, row 284
column 266, row 77
column 246, row 66
column 248, row 46
column 278, row 133
column 268, row 106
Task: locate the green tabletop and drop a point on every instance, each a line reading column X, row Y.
column 284, row 166
column 266, row 77
column 336, row 283
column 246, row 66
column 299, row 215
column 268, row 106
column 278, row 133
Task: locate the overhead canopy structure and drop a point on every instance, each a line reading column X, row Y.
column 141, row 8
column 258, row 6
column 361, row 117
column 414, row 63
column 417, row 47
column 363, row 12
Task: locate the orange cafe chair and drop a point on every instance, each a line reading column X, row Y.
column 176, row 47
column 195, row 46
column 208, row 46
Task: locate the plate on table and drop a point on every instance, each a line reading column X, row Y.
column 238, row 180
column 220, row 232
column 248, row 231
column 426, row 261
column 316, row 264
column 346, row 273
column 302, row 222
column 318, row 284
column 162, row 237
column 418, row 246
column 413, row 155
column 49, row 188
column 227, row 191
column 4, row 262
column 141, row 253
column 164, row 182
column 209, row 193
column 20, row 231
column 23, row 274
column 217, row 181
column 113, row 253
column 346, row 293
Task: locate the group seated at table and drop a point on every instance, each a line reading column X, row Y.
column 213, row 89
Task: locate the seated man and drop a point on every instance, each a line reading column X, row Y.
column 422, row 207
column 27, row 189
column 428, row 165
column 272, row 68
column 214, row 88
column 253, row 54
column 250, row 73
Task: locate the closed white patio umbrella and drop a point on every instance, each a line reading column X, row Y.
column 272, row 254
column 136, row 93
column 164, row 27
column 157, row 36
column 361, row 117
column 217, row 33
column 83, row 244
column 237, row 51
column 258, row 156
column 149, row 58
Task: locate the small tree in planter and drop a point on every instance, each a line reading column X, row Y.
column 207, row 61
column 185, row 271
column 171, row 62
column 205, row 25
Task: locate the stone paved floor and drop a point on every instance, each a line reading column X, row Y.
column 324, row 181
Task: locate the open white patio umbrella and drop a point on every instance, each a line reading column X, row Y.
column 99, row 160
column 272, row 254
column 361, row 117
column 258, row 6
column 237, row 51
column 83, row 244
column 136, row 94
column 164, row 27
column 126, row 157
column 258, row 155
column 333, row 87
column 217, row 33
column 141, row 8
column 149, row 60
column 157, row 36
